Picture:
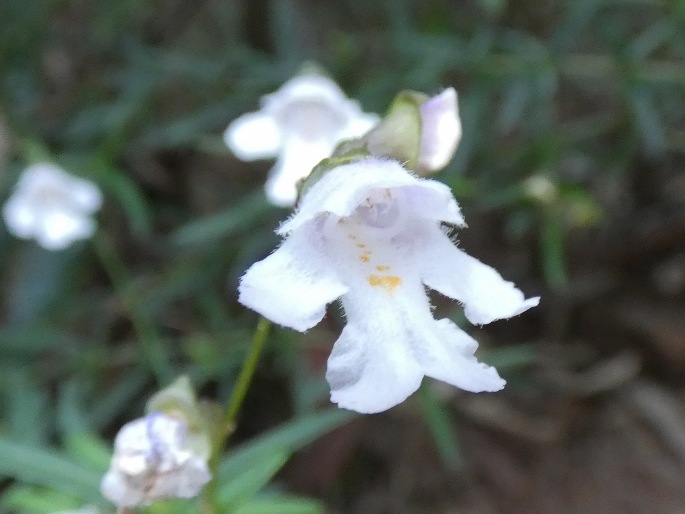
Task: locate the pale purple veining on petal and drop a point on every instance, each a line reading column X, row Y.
column 153, row 461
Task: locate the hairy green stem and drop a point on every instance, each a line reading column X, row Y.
column 242, row 384
column 247, row 372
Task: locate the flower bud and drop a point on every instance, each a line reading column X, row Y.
column 420, row 132
column 440, row 131
column 154, row 460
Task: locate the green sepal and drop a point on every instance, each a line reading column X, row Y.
column 398, row 135
column 347, row 152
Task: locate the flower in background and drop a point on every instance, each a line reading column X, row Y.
column 154, row 459
column 52, row 207
column 370, row 233
column 300, row 124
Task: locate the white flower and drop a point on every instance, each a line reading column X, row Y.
column 153, row 460
column 300, row 124
column 52, row 207
column 370, row 234
column 440, row 130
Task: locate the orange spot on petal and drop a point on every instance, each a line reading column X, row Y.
column 382, row 268
column 364, row 258
column 387, row 282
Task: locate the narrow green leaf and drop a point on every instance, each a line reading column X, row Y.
column 89, row 451
column 513, row 356
column 513, row 106
column 38, row 279
column 552, row 248
column 70, row 412
column 288, row 437
column 129, row 196
column 223, row 224
column 441, row 427
column 45, row 467
column 29, row 340
column 118, row 396
column 239, row 488
column 37, row 500
column 282, row 505
column 648, row 121
column 26, row 409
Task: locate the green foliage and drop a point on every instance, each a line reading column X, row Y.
column 134, row 95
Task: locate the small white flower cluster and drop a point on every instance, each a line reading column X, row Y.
column 370, row 233
column 153, row 460
column 52, row 207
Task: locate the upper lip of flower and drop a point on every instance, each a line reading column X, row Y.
column 347, row 192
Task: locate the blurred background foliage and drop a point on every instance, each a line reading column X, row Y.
column 571, row 177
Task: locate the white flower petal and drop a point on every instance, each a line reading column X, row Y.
column 359, row 123
column 371, row 368
column 391, row 341
column 294, row 284
column 60, row 229
column 440, row 130
column 19, row 218
column 294, row 164
column 253, row 136
column 343, row 189
column 485, row 294
column 87, row 197
column 308, row 87
column 449, row 358
column 115, row 488
column 318, row 101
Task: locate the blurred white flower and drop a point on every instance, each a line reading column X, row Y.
column 52, row 207
column 154, row 460
column 300, row 124
column 370, row 234
column 440, row 131
column 541, row 188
